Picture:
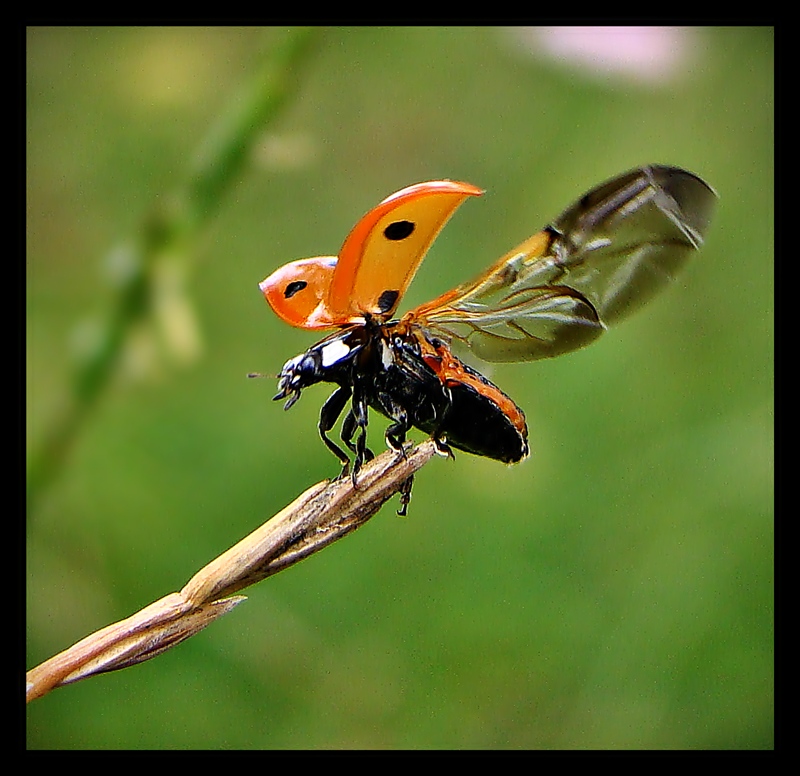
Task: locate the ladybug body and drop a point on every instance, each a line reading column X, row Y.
column 557, row 291
column 382, row 366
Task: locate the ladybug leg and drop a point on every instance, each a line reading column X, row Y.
column 395, row 439
column 349, row 428
column 360, row 420
column 439, row 436
column 328, row 416
column 348, row 431
column 442, row 448
column 405, row 495
column 396, row 431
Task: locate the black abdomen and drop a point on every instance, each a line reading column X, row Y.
column 466, row 417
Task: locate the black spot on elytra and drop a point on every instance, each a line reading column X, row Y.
column 399, row 230
column 387, row 300
column 294, row 287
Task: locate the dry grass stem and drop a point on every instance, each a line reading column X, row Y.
column 324, row 513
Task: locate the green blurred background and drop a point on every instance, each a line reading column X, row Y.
column 614, row 591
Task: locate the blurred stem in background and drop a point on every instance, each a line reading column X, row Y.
column 169, row 232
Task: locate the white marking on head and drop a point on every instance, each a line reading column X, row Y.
column 334, row 352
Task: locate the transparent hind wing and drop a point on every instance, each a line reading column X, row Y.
column 604, row 257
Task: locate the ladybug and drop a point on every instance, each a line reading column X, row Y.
column 558, row 291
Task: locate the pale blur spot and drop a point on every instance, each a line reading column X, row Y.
column 643, row 54
column 286, row 151
column 86, row 338
column 174, row 312
column 121, row 264
column 166, row 68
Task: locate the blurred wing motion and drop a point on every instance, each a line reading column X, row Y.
column 600, row 260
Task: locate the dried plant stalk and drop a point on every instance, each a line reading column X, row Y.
column 324, row 513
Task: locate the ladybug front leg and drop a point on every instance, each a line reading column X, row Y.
column 328, row 416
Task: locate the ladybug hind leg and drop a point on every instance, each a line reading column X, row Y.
column 442, row 448
column 395, row 439
column 405, row 495
column 439, row 436
column 396, row 431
